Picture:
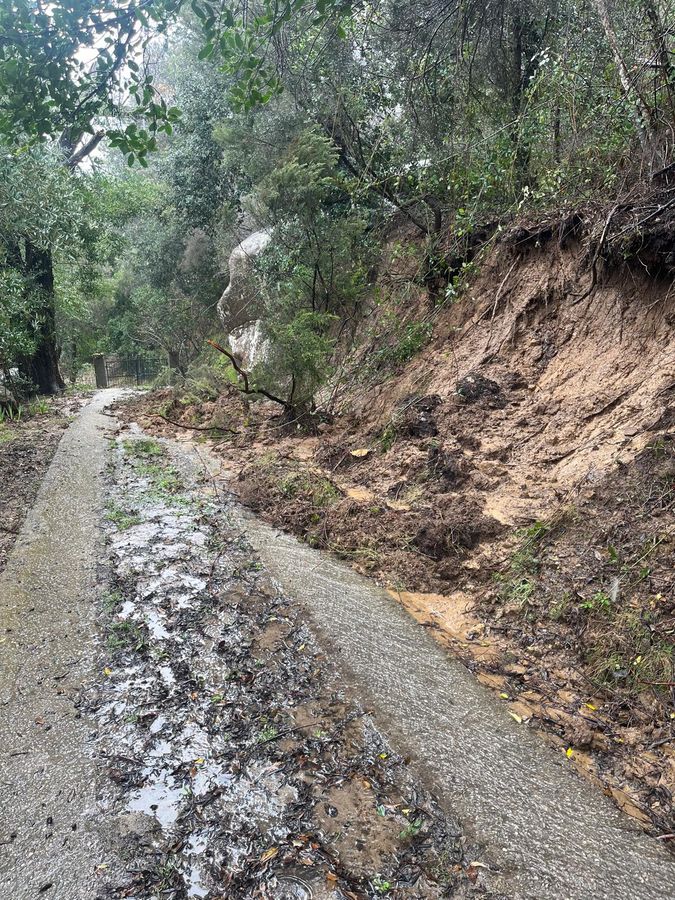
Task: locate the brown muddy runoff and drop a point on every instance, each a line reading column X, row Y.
column 243, row 766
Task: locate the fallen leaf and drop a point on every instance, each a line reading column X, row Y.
column 107, row 671
column 362, row 452
column 270, row 853
column 398, row 505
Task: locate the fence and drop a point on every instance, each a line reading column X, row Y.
column 127, row 371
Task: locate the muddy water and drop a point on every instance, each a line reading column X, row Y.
column 237, row 768
column 548, row 834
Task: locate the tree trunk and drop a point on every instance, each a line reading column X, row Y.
column 521, row 72
column 641, row 111
column 662, row 54
column 42, row 368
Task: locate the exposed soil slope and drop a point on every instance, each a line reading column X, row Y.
column 513, row 484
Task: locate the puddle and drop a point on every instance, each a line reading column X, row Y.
column 291, row 888
column 160, row 797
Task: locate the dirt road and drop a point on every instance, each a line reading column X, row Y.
column 187, row 715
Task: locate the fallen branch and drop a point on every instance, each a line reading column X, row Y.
column 246, row 389
column 646, row 219
column 195, row 427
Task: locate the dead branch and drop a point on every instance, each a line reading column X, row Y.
column 195, row 427
column 247, row 389
column 646, row 219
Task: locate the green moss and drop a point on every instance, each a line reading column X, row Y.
column 121, row 518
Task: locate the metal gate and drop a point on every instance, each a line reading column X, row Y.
column 127, row 371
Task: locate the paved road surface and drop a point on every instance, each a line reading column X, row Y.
column 48, row 831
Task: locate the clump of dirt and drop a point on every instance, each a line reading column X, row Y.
column 474, row 387
column 27, row 446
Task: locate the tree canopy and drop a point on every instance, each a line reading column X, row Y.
column 317, row 121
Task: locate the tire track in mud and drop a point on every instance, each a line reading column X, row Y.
column 240, row 767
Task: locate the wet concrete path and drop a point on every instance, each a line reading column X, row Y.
column 50, row 840
column 548, row 833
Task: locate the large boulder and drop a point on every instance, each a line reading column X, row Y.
column 240, row 304
column 249, row 344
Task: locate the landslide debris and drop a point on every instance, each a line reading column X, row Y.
column 509, row 483
column 238, row 764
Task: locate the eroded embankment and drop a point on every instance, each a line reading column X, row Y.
column 242, row 767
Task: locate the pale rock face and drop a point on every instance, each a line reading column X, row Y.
column 239, row 306
column 248, row 344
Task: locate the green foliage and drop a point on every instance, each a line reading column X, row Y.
column 121, row 518
column 517, row 584
column 10, row 414
column 320, row 491
column 600, row 602
column 314, row 120
column 314, row 273
column 628, row 652
column 388, row 437
column 406, row 341
column 143, row 447
column 18, row 310
column 62, row 64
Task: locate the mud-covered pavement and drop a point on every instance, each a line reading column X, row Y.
column 174, row 722
column 241, row 767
